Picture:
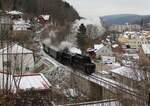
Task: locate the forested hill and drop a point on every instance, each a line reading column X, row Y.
column 58, row 9
column 122, row 18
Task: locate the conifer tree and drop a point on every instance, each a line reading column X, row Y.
column 81, row 37
column 1, row 5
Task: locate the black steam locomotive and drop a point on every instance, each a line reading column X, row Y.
column 75, row 61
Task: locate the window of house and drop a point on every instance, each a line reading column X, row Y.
column 7, row 64
column 27, row 68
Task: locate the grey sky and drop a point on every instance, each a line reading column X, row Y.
column 95, row 8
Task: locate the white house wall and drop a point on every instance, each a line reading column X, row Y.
column 27, row 60
column 104, row 52
column 19, row 57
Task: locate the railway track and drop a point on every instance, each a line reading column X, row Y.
column 126, row 92
column 117, row 86
column 102, row 81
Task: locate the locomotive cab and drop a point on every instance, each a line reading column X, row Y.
column 89, row 68
column 83, row 63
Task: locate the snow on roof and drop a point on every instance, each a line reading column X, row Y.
column 146, row 48
column 75, row 50
column 90, row 50
column 14, row 12
column 46, row 17
column 36, row 81
column 115, row 45
column 15, row 48
column 128, row 72
column 98, row 46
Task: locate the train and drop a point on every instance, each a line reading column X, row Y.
column 75, row 61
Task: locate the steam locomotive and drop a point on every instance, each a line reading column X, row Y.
column 76, row 61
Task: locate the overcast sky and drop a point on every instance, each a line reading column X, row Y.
column 95, row 8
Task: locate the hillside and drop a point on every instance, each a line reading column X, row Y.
column 122, row 18
column 61, row 11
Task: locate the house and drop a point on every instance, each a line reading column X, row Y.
column 133, row 56
column 43, row 19
column 16, row 58
column 108, row 59
column 137, row 42
column 102, row 50
column 144, row 55
column 14, row 14
column 127, row 76
column 134, row 39
column 21, row 25
column 5, row 24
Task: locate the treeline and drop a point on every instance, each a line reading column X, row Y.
column 144, row 22
column 59, row 10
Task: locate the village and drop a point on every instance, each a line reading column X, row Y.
column 121, row 76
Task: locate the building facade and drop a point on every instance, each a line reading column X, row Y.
column 126, row 27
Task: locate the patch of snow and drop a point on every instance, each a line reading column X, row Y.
column 90, row 50
column 14, row 12
column 115, row 45
column 46, row 17
column 98, row 46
